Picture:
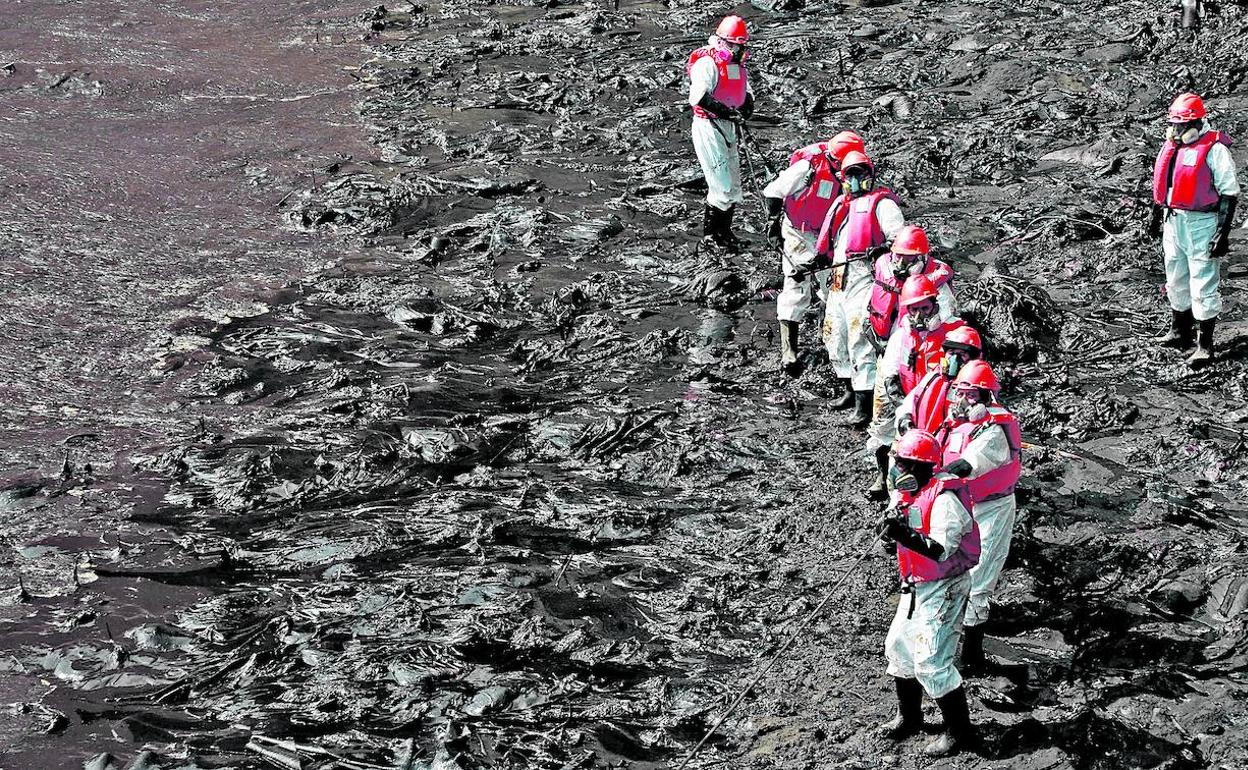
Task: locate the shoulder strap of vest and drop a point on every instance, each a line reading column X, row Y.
column 698, row 53
column 940, row 273
column 959, row 488
column 1169, row 155
column 883, row 192
column 999, row 415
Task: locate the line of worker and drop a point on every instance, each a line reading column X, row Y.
column 947, row 450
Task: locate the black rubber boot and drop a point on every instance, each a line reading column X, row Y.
column 847, row 398
column 710, row 221
column 1180, row 334
column 1203, row 355
column 909, row 719
column 861, row 416
column 879, row 490
column 788, row 347
column 958, row 734
column 973, row 660
column 727, row 239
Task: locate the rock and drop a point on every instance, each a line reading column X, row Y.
column 489, row 700
column 1114, row 53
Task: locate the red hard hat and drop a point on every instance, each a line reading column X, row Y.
column 918, row 445
column 978, row 374
column 911, row 239
column 732, row 29
column 844, row 143
column 964, row 336
column 1186, row 108
column 916, row 289
column 855, row 158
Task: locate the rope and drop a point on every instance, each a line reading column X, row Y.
column 776, row 656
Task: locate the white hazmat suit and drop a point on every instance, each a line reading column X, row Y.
column 922, row 642
column 987, row 451
column 716, row 142
column 1192, row 275
column 801, row 287
column 845, row 318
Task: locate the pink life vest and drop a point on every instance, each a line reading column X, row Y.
column 920, row 356
column 858, row 216
column 999, row 481
column 1182, row 174
column 917, row 568
column 807, row 208
column 930, row 401
column 886, row 292
column 730, row 86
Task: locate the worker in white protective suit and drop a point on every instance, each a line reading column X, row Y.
column 858, row 227
column 982, row 445
column 1195, row 193
column 909, row 256
column 720, row 96
column 798, row 200
column 937, row 544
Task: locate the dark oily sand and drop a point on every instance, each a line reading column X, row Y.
column 514, row 483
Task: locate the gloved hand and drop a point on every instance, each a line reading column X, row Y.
column 868, row 333
column 1221, row 244
column 773, row 232
column 895, row 529
column 891, row 527
column 718, row 108
column 892, row 386
column 904, row 424
column 747, row 109
column 959, row 468
column 1226, row 216
column 1154, row 222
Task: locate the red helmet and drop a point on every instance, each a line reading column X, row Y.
column 856, row 158
column 963, row 336
column 916, row 289
column 978, row 374
column 918, row 445
column 844, row 143
column 732, row 30
column 1186, row 108
column 911, row 239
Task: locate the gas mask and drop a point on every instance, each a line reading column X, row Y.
column 857, row 181
column 910, row 476
column 924, row 318
column 967, row 407
column 906, row 265
column 1184, row 133
column 738, row 52
column 951, row 364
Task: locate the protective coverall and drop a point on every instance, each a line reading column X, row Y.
column 715, row 141
column 883, row 428
column 1192, row 275
column 922, row 642
column 988, row 450
column 846, row 322
column 801, row 287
